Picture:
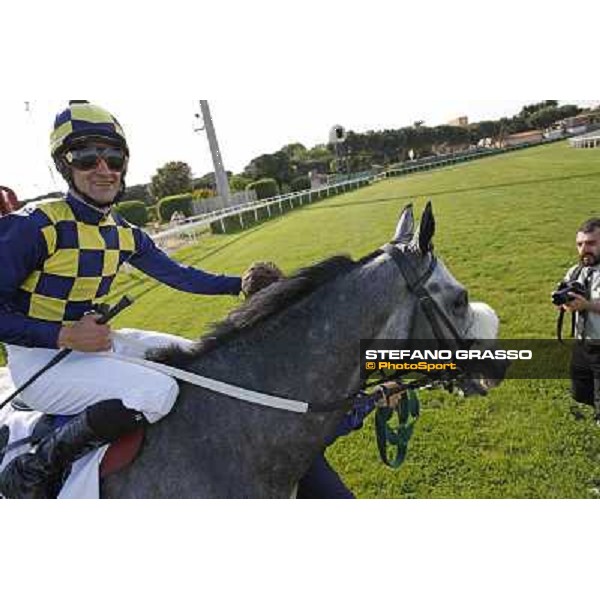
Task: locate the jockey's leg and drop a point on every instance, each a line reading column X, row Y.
column 82, row 380
column 322, row 482
column 80, row 385
column 137, row 342
column 40, row 474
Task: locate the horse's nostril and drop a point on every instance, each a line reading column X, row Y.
column 462, row 302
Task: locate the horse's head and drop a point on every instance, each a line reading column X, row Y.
column 443, row 311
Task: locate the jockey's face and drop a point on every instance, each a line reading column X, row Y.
column 588, row 247
column 100, row 183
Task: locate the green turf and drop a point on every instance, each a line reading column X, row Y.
column 506, row 229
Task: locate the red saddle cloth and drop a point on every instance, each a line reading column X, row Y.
column 121, row 453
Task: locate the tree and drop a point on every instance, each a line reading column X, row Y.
column 138, row 192
column 171, row 179
column 321, row 152
column 134, row 211
column 531, row 109
column 271, row 166
column 296, row 152
column 208, row 181
column 544, row 118
column 238, row 183
column 484, row 129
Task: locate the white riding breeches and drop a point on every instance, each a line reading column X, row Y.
column 83, row 379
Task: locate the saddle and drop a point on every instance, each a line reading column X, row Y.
column 122, row 453
column 118, row 456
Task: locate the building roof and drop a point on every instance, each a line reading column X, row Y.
column 592, row 135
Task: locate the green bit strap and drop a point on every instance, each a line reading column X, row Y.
column 408, row 410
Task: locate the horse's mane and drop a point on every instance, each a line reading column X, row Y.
column 260, row 307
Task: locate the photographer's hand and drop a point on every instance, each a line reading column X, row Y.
column 578, row 304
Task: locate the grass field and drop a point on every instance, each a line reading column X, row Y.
column 506, row 229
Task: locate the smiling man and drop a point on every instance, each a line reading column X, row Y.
column 97, row 171
column 59, row 259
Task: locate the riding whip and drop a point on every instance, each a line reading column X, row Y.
column 123, row 303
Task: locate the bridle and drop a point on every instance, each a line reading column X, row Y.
column 436, row 317
column 417, row 285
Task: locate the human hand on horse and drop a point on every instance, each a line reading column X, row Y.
column 258, row 276
column 389, row 394
column 86, row 335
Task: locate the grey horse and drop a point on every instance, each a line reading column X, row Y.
column 297, row 339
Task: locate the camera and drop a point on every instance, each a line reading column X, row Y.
column 563, row 293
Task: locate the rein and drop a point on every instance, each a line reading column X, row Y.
column 416, row 285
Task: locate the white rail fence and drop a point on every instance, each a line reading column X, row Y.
column 248, row 213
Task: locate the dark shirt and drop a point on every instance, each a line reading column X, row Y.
column 31, row 276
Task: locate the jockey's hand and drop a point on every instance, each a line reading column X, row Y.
column 390, row 395
column 86, row 335
column 258, row 276
column 577, row 304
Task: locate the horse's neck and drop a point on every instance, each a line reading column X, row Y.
column 311, row 350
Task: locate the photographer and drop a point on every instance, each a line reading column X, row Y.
column 579, row 294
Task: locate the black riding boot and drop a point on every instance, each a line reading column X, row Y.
column 41, row 474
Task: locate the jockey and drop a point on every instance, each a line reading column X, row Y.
column 59, row 259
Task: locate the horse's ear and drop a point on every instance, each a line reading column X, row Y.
column 406, row 226
column 427, row 229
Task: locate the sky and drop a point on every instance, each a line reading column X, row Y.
column 274, row 74
column 160, row 130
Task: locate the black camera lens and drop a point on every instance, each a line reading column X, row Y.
column 559, row 298
column 565, row 291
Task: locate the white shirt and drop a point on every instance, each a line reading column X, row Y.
column 587, row 325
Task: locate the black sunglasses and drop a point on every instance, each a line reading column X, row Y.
column 88, row 158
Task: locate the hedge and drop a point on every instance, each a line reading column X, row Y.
column 167, row 206
column 264, row 188
column 301, row 183
column 153, row 213
column 134, row 211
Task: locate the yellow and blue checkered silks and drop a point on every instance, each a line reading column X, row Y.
column 83, row 259
column 82, row 120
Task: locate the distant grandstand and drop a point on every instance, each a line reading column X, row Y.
column 588, row 140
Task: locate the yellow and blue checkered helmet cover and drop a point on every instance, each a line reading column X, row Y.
column 82, row 120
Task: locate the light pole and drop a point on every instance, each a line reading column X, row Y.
column 337, row 136
column 220, row 173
